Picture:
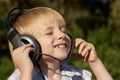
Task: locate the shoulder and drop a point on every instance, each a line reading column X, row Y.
column 15, row 75
column 76, row 71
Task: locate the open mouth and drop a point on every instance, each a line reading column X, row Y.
column 61, row 45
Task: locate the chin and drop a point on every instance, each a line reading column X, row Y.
column 61, row 57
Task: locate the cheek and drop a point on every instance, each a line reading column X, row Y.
column 46, row 45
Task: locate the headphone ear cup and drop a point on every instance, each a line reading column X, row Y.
column 26, row 39
column 71, row 47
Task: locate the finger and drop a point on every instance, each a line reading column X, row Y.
column 78, row 41
column 28, row 50
column 21, row 49
column 25, row 46
column 85, row 50
column 87, row 56
column 82, row 47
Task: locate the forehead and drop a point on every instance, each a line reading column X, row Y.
column 50, row 24
column 50, row 20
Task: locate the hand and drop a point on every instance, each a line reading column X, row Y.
column 21, row 58
column 86, row 51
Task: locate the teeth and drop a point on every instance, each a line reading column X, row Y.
column 61, row 46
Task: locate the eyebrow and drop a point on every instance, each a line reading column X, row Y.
column 48, row 28
column 51, row 27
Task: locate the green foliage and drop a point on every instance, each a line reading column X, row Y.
column 6, row 67
column 96, row 22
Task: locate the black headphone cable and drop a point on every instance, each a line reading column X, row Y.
column 37, row 64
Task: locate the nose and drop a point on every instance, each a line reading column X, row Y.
column 60, row 34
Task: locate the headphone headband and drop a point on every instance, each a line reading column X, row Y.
column 12, row 16
column 12, row 34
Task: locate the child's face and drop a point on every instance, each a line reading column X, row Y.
column 54, row 41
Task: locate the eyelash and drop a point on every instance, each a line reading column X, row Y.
column 62, row 30
column 49, row 33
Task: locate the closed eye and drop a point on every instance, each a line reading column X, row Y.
column 63, row 30
column 49, row 33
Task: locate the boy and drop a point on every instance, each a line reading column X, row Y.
column 48, row 27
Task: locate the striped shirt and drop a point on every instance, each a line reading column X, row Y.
column 69, row 72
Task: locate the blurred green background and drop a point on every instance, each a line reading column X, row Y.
column 96, row 21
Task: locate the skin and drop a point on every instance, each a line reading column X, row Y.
column 55, row 42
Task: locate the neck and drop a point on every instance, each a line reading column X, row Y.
column 50, row 67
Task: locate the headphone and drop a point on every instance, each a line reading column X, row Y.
column 18, row 40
